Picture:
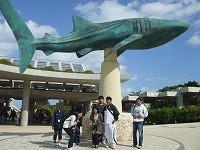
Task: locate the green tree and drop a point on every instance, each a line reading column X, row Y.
column 134, row 93
column 192, row 83
column 171, row 88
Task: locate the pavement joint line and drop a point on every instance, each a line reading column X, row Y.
column 181, row 145
column 8, row 138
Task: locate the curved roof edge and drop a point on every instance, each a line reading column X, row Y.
column 12, row 73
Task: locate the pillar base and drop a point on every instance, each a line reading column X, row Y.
column 25, row 103
column 124, row 127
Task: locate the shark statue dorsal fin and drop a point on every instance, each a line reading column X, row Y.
column 47, row 53
column 79, row 23
column 83, row 52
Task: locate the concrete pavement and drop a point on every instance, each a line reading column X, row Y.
column 160, row 137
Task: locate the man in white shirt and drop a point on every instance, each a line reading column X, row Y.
column 139, row 112
column 111, row 115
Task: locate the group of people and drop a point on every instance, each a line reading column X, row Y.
column 103, row 118
column 8, row 115
column 71, row 124
column 103, row 124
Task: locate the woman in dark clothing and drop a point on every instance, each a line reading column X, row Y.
column 97, row 126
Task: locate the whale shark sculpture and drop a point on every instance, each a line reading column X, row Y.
column 120, row 35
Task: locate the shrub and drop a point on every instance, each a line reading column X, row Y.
column 89, row 72
column 69, row 70
column 48, row 68
column 173, row 115
column 31, row 66
column 6, row 62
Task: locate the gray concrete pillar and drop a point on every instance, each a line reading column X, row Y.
column 31, row 110
column 179, row 100
column 88, row 106
column 25, row 103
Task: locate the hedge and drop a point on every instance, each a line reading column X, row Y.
column 173, row 115
column 6, row 62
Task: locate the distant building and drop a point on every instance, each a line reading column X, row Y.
column 181, row 97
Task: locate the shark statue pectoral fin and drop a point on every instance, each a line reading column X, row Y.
column 83, row 52
column 119, row 46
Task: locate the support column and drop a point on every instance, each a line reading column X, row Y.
column 31, row 110
column 25, row 103
column 179, row 100
column 88, row 106
column 110, row 85
column 110, row 78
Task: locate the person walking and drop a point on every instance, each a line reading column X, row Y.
column 69, row 126
column 97, row 126
column 111, row 115
column 139, row 112
column 57, row 125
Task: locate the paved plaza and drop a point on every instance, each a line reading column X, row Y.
column 162, row 137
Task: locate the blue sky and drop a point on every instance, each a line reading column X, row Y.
column 170, row 64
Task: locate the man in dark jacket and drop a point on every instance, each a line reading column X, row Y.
column 57, row 125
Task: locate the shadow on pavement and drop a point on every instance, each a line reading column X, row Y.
column 20, row 133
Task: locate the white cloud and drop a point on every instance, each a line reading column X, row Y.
column 8, row 44
column 7, row 40
column 168, row 9
column 106, row 10
column 133, row 77
column 39, row 30
column 195, row 40
column 144, row 89
column 126, row 90
column 159, row 9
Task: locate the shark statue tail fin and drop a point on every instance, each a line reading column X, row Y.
column 22, row 33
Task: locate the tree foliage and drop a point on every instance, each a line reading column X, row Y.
column 134, row 93
column 6, row 62
column 173, row 88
